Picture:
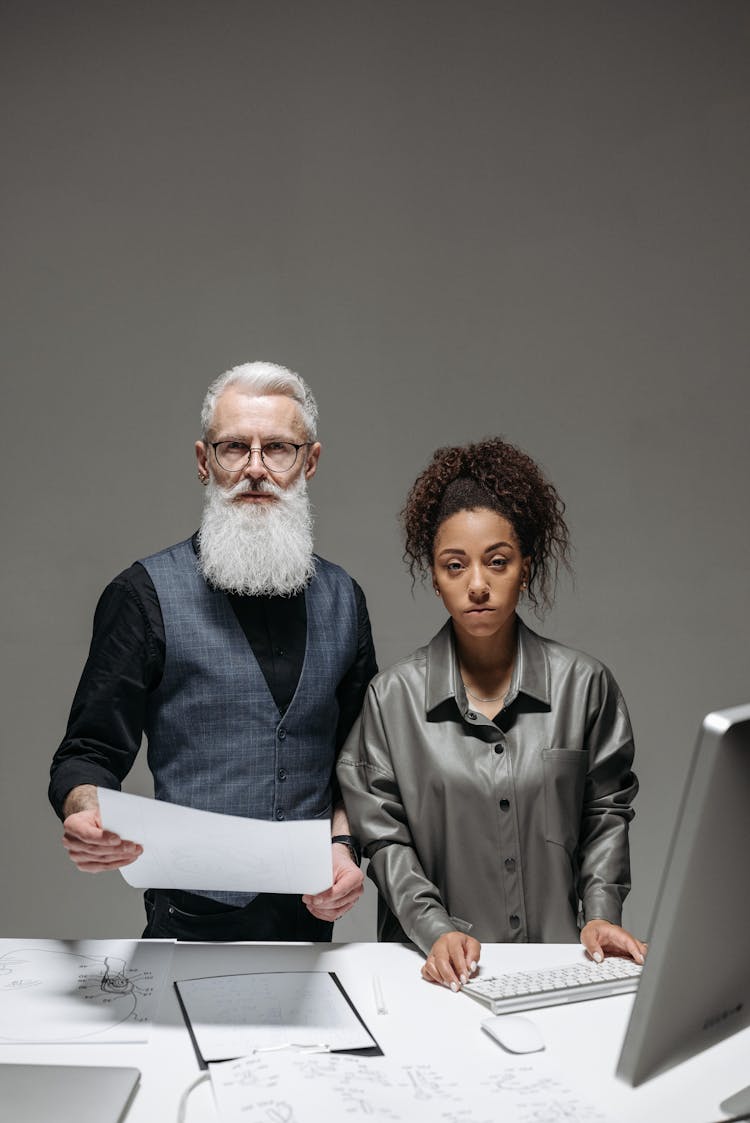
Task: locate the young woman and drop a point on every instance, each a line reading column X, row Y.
column 489, row 776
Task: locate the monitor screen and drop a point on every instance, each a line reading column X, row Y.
column 695, row 986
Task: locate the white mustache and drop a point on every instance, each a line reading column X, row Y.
column 253, row 487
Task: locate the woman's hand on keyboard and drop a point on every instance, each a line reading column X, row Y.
column 452, row 960
column 600, row 938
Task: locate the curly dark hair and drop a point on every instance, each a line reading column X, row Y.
column 499, row 476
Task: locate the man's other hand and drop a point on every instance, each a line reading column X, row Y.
column 92, row 848
column 348, row 887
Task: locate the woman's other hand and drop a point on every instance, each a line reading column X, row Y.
column 600, row 939
column 452, row 960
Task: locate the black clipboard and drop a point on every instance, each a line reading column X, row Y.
column 373, row 1050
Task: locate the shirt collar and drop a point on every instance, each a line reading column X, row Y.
column 531, row 672
column 443, row 679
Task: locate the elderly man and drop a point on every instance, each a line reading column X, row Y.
column 242, row 656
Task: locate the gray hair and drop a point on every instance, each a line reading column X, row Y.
column 263, row 378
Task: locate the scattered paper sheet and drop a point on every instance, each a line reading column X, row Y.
column 80, row 990
column 315, row 1088
column 231, row 1015
column 200, row 850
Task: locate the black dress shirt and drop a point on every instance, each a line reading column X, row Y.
column 126, row 662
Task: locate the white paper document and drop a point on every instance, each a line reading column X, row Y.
column 231, row 1015
column 80, row 990
column 200, row 850
column 315, row 1088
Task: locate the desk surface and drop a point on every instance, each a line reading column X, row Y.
column 583, row 1039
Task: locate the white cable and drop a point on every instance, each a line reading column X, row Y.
column 182, row 1109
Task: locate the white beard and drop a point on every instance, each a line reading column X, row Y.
column 261, row 550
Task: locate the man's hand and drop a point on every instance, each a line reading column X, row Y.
column 600, row 938
column 347, row 888
column 92, row 848
column 452, row 960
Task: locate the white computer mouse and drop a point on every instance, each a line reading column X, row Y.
column 514, row 1032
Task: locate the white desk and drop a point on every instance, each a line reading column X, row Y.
column 583, row 1039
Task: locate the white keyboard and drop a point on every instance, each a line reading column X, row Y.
column 554, row 986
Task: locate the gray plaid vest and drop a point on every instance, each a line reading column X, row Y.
column 216, row 740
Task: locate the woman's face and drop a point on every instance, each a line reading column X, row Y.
column 479, row 571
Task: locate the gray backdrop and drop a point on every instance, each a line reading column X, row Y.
column 455, row 219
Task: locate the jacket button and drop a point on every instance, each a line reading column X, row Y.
column 279, row 813
column 510, row 864
column 283, row 773
column 504, row 804
column 515, row 921
column 281, row 733
column 499, row 749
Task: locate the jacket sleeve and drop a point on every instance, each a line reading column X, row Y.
column 377, row 816
column 611, row 786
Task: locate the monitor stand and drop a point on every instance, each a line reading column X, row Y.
column 738, row 1104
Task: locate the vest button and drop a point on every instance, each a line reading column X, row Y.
column 283, row 773
column 499, row 749
column 515, row 921
column 510, row 864
column 281, row 733
column 504, row 804
column 279, row 813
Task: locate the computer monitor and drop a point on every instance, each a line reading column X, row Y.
column 695, row 986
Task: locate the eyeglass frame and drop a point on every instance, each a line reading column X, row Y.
column 259, row 449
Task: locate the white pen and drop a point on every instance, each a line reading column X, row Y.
column 377, row 990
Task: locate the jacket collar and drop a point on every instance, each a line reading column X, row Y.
column 531, row 673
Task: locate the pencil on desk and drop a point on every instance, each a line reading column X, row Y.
column 377, row 990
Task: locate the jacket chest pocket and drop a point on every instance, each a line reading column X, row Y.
column 564, row 782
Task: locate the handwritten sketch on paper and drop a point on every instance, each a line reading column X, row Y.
column 231, row 1015
column 315, row 1088
column 87, row 990
column 201, row 850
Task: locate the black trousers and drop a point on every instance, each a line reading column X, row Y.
column 172, row 914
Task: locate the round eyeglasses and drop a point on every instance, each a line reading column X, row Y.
column 277, row 456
